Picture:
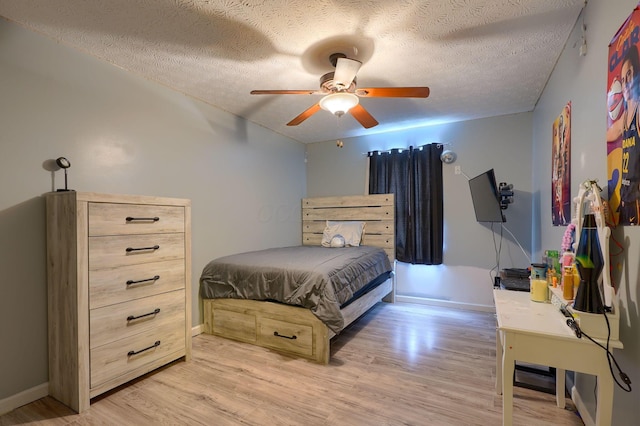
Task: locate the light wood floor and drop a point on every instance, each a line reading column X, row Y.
column 400, row 364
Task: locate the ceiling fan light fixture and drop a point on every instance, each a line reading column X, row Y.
column 339, row 103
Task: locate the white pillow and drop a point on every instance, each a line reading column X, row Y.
column 351, row 231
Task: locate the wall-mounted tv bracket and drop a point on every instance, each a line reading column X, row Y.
column 505, row 191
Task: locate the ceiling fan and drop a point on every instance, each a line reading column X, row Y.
column 342, row 94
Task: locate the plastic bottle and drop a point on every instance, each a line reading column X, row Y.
column 567, row 283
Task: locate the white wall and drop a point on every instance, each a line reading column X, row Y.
column 125, row 135
column 502, row 143
column 583, row 81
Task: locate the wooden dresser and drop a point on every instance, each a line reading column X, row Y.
column 119, row 290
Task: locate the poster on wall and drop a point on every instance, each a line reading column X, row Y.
column 561, row 168
column 623, row 93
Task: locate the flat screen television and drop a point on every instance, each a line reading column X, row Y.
column 485, row 197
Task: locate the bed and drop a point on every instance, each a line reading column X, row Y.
column 300, row 297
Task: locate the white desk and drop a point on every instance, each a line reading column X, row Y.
column 538, row 333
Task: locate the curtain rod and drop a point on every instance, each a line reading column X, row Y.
column 438, row 145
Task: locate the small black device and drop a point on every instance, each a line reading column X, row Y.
column 505, row 190
column 515, row 279
column 63, row 163
column 574, row 326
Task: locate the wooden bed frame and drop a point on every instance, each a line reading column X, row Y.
column 295, row 330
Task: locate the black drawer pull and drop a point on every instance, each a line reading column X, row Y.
column 294, row 337
column 155, row 311
column 155, row 345
column 140, row 219
column 130, row 249
column 155, row 278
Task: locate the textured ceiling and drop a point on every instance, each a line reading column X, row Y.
column 480, row 58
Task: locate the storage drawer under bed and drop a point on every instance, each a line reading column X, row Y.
column 285, row 336
column 234, row 325
column 267, row 332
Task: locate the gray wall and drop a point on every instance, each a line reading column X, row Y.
column 123, row 135
column 583, row 81
column 502, row 143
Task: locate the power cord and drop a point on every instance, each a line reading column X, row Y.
column 571, row 322
column 497, row 248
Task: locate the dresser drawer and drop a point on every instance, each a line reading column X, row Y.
column 116, row 285
column 285, row 336
column 116, row 251
column 120, row 357
column 121, row 219
column 122, row 320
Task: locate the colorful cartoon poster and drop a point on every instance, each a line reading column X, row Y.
column 623, row 151
column 561, row 168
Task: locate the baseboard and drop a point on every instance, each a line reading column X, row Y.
column 445, row 303
column 198, row 329
column 581, row 407
column 23, row 398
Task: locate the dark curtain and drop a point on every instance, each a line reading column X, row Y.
column 414, row 175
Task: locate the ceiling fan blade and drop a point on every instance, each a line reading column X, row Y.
column 306, row 114
column 363, row 116
column 393, row 92
column 285, row 92
column 346, row 70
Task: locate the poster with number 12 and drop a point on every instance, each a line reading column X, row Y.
column 623, row 96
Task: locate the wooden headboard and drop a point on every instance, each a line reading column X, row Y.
column 376, row 210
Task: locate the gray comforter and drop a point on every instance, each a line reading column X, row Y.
column 318, row 278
